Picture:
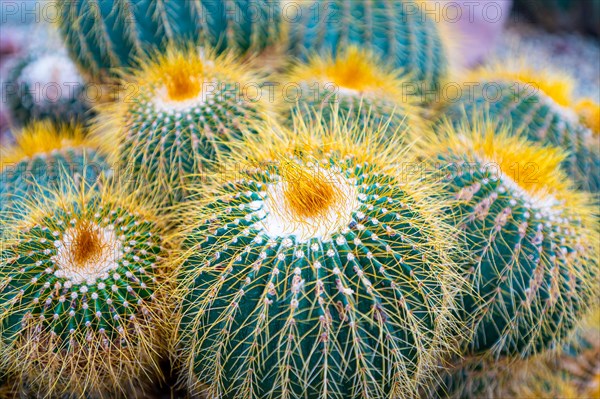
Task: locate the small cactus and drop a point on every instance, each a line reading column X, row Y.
column 541, row 106
column 46, row 86
column 80, row 292
column 531, row 238
column 189, row 108
column 397, row 31
column 315, row 272
column 42, row 153
column 356, row 86
column 105, row 35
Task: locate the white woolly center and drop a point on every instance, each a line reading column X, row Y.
column 281, row 221
column 93, row 269
column 163, row 102
column 54, row 75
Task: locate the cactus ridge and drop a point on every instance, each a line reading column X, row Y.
column 531, row 236
column 333, row 285
column 105, row 35
column 397, row 31
column 356, row 85
column 81, row 309
column 541, row 106
column 189, row 110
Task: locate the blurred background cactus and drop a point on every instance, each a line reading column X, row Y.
column 41, row 156
column 563, row 15
column 355, row 86
column 46, row 86
column 541, row 106
column 399, row 32
column 105, row 35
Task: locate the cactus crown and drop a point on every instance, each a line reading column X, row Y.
column 179, row 75
column 352, row 71
column 43, row 138
column 307, row 194
column 183, row 76
column 559, row 87
column 535, row 169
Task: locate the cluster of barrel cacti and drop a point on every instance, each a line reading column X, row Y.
column 322, row 227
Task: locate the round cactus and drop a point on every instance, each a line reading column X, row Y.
column 531, row 237
column 188, row 109
column 107, row 34
column 541, row 106
column 398, row 31
column 315, row 272
column 355, row 86
column 46, row 86
column 42, row 154
column 80, row 293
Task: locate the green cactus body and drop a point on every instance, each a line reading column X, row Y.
column 353, row 88
column 46, row 86
column 315, row 277
column 534, row 264
column 540, row 115
column 397, row 31
column 80, row 310
column 103, row 35
column 43, row 156
column 188, row 111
